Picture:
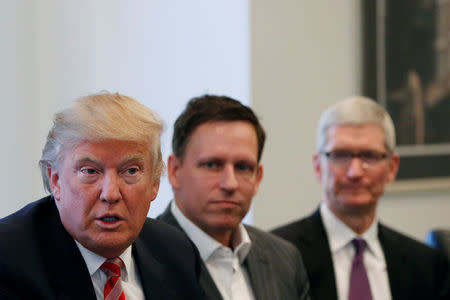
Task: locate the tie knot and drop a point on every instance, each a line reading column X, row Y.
column 112, row 266
column 359, row 245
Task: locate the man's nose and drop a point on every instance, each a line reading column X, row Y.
column 356, row 168
column 228, row 180
column 110, row 188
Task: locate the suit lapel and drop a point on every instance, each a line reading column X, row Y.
column 260, row 271
column 397, row 268
column 206, row 281
column 208, row 285
column 64, row 264
column 169, row 218
column 151, row 273
column 316, row 253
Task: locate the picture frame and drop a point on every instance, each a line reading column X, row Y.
column 406, row 52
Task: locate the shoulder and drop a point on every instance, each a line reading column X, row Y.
column 20, row 227
column 163, row 247
column 399, row 248
column 427, row 268
column 298, row 229
column 271, row 243
column 390, row 237
column 286, row 264
column 415, row 252
column 28, row 213
column 167, row 216
column 23, row 240
column 165, row 242
column 290, row 229
column 164, row 234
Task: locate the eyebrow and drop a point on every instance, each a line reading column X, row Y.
column 136, row 158
column 356, row 151
column 86, row 159
column 222, row 160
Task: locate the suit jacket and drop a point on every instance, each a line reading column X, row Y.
column 40, row 260
column 275, row 267
column 415, row 271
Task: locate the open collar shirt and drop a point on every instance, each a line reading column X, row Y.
column 340, row 238
column 224, row 264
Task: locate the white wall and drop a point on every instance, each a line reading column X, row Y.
column 305, row 56
column 160, row 52
column 17, row 107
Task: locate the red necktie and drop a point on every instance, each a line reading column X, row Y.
column 359, row 283
column 113, row 287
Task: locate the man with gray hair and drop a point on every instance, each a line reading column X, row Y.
column 91, row 238
column 348, row 253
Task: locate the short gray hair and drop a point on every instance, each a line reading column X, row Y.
column 103, row 116
column 356, row 110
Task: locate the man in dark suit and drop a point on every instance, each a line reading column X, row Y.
column 348, row 253
column 215, row 172
column 91, row 238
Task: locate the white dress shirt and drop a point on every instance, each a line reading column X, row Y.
column 131, row 283
column 343, row 251
column 224, row 264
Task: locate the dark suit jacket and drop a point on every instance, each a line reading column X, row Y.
column 40, row 260
column 415, row 271
column 274, row 266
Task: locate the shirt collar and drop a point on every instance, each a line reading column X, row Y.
column 340, row 235
column 94, row 261
column 206, row 244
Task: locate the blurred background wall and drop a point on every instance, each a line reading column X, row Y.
column 288, row 59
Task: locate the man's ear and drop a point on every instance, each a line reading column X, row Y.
column 155, row 189
column 53, row 178
column 317, row 166
column 394, row 164
column 173, row 166
column 259, row 176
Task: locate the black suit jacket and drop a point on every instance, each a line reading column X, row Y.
column 274, row 266
column 40, row 260
column 415, row 271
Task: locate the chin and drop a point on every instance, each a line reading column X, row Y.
column 359, row 204
column 226, row 225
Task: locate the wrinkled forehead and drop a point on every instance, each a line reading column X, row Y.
column 109, row 149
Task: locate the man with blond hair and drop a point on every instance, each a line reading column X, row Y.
column 91, row 238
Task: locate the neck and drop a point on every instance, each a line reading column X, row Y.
column 358, row 221
column 359, row 224
column 223, row 236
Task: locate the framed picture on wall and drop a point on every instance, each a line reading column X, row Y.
column 406, row 46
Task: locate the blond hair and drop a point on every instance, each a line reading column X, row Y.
column 103, row 116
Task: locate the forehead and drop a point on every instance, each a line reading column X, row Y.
column 108, row 151
column 364, row 137
column 224, row 137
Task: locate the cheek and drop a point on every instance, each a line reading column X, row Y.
column 249, row 189
column 379, row 181
column 79, row 198
column 200, row 186
column 380, row 176
column 330, row 177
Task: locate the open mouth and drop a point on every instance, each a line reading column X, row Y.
column 110, row 219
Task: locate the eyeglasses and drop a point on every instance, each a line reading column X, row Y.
column 343, row 158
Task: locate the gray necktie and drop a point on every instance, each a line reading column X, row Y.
column 359, row 283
